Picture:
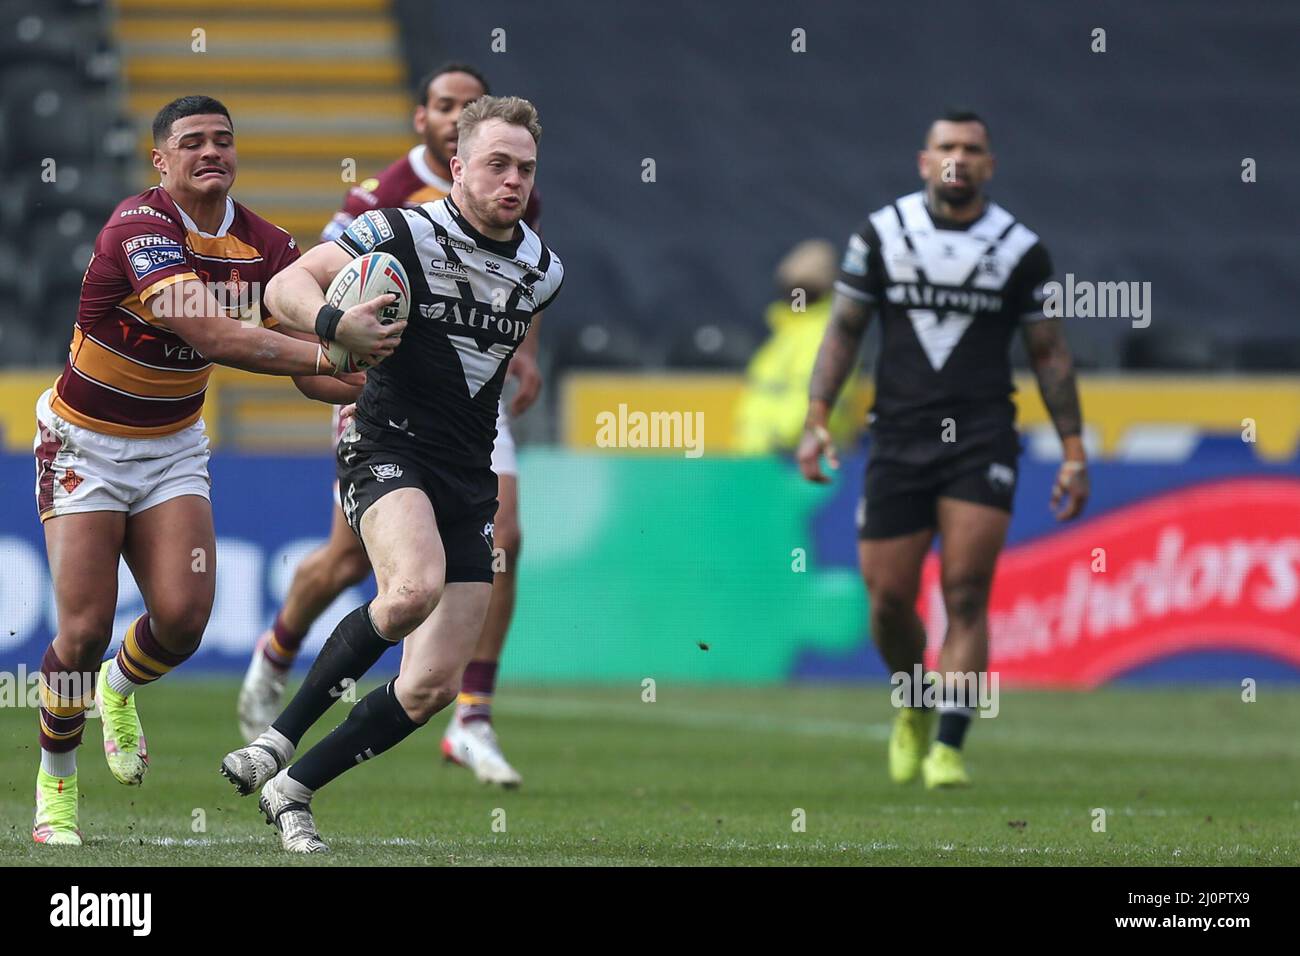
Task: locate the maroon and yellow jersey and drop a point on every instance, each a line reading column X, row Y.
column 127, row 373
column 404, row 185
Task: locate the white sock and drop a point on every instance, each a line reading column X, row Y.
column 118, row 681
column 62, row 765
column 292, row 789
column 278, row 742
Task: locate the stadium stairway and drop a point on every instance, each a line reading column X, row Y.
column 317, row 90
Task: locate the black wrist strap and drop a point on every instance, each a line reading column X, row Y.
column 327, row 320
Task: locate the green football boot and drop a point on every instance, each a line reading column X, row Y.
column 124, row 744
column 56, row 810
column 908, row 741
column 943, row 767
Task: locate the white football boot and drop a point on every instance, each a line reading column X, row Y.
column 474, row 746
column 261, row 693
column 249, row 768
column 291, row 819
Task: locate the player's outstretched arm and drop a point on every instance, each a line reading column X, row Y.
column 331, row 389
column 296, row 293
column 1053, row 365
column 189, row 310
column 341, row 391
column 835, row 360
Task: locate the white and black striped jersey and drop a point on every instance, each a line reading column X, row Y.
column 472, row 302
column 950, row 297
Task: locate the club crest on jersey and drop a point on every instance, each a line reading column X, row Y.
column 991, row 266
column 530, row 270
column 384, row 472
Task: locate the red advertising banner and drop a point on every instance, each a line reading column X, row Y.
column 1215, row 566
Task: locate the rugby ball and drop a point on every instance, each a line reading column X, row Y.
column 361, row 280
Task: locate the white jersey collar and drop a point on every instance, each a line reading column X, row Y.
column 225, row 223
column 418, row 160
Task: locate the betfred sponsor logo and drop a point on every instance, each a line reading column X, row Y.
column 1216, row 566
column 148, row 242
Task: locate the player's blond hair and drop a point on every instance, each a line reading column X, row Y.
column 514, row 110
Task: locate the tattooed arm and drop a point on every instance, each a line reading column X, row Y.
column 1049, row 355
column 835, row 360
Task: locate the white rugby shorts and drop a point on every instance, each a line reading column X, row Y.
column 79, row 470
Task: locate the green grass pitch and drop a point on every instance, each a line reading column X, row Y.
column 709, row 775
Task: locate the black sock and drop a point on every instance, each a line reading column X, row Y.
column 953, row 724
column 377, row 723
column 351, row 650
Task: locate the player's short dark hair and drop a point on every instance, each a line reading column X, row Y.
column 959, row 116
column 451, row 66
column 182, row 107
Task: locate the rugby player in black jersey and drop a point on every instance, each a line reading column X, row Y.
column 414, row 465
column 953, row 277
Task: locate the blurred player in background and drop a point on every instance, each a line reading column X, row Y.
column 953, row 276
column 415, row 462
column 771, row 411
column 423, row 175
column 121, row 455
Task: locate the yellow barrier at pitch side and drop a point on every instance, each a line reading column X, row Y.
column 243, row 409
column 1266, row 407
column 265, row 412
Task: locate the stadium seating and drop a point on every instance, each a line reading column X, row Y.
column 693, row 246
column 62, row 154
column 599, row 345
column 1183, row 350
column 1128, row 163
column 316, row 109
column 711, row 346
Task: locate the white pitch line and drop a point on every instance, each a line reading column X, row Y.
column 202, row 842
